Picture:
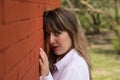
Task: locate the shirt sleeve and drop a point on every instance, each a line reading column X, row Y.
column 49, row 77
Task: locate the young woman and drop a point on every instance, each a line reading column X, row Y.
column 65, row 56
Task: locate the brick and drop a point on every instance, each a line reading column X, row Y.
column 24, row 28
column 35, row 24
column 41, row 37
column 21, row 41
column 32, row 57
column 1, row 7
column 35, row 10
column 51, row 5
column 13, row 75
column 36, row 71
column 30, row 74
column 2, row 65
column 38, row 23
column 39, row 1
column 32, row 27
column 16, row 52
column 36, row 78
column 57, row 3
column 8, row 35
column 33, row 40
column 13, row 55
column 23, row 66
column 36, row 38
column 37, row 51
column 28, row 44
column 28, row 27
column 14, row 10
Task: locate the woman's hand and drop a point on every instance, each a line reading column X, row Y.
column 44, row 64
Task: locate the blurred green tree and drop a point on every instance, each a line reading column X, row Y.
column 96, row 15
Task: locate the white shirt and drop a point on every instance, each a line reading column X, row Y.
column 70, row 67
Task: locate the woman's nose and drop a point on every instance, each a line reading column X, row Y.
column 52, row 38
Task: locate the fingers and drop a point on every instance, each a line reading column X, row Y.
column 41, row 62
column 43, row 56
column 43, row 52
column 44, row 64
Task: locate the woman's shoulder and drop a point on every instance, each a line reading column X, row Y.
column 78, row 61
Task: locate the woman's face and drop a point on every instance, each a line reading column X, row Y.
column 60, row 42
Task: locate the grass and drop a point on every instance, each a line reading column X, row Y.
column 104, row 63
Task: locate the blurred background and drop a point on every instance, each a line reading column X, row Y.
column 100, row 20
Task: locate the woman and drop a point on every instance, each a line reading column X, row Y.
column 65, row 46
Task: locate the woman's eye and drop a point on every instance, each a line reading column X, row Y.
column 56, row 33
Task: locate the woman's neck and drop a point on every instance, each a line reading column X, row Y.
column 61, row 56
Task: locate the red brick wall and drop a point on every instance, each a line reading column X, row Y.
column 21, row 36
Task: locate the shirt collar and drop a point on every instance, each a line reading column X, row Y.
column 65, row 60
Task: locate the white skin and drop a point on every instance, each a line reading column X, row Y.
column 60, row 43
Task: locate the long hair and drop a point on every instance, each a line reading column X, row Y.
column 61, row 19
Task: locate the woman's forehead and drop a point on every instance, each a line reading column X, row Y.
column 53, row 28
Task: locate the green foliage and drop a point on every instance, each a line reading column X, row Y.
column 64, row 2
column 86, row 17
column 85, row 21
column 116, row 45
column 93, row 21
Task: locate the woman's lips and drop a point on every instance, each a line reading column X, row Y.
column 54, row 48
